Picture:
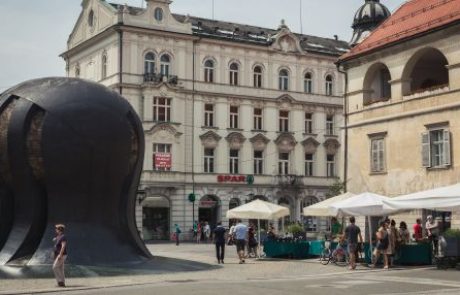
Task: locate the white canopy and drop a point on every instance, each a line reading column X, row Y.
column 365, row 204
column 443, row 198
column 258, row 209
column 322, row 208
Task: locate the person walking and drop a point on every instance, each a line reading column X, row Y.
column 207, row 231
column 177, row 231
column 352, row 233
column 219, row 239
column 432, row 228
column 199, row 232
column 60, row 254
column 382, row 245
column 241, row 232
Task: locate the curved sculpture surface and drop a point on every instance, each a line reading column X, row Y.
column 71, row 152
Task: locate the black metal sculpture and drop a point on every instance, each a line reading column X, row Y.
column 71, row 152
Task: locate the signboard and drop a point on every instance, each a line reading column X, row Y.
column 162, row 160
column 249, row 179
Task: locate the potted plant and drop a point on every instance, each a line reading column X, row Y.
column 297, row 231
column 452, row 237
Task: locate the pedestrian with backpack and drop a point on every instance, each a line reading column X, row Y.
column 383, row 242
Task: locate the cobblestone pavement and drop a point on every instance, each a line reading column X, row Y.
column 265, row 275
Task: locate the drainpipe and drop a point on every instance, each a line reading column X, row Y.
column 345, row 118
column 120, row 59
column 193, row 127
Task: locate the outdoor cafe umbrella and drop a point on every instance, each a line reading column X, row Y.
column 443, row 198
column 322, row 208
column 258, row 209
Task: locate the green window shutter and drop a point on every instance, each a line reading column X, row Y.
column 426, row 151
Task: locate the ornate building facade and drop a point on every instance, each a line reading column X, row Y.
column 231, row 112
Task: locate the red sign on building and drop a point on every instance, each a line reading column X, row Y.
column 231, row 178
column 162, row 160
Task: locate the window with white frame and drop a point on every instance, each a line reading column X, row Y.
column 234, row 68
column 308, row 123
column 165, row 64
column 234, row 161
column 234, row 110
column 308, row 83
column 330, row 164
column 160, row 152
column 104, row 66
column 208, row 160
column 309, row 163
column 258, row 119
column 284, row 121
column 149, row 63
column 330, row 125
column 161, row 109
column 257, row 76
column 378, row 154
column 209, row 115
column 283, row 80
column 209, row 71
column 329, row 85
column 436, row 148
column 283, row 163
column 258, row 162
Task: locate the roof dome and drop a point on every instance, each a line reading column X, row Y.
column 371, row 14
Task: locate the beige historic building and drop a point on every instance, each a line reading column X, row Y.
column 231, row 112
column 403, row 103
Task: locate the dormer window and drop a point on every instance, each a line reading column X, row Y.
column 158, row 14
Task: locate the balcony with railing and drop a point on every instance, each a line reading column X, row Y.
column 157, row 78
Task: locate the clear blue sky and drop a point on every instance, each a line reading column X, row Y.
column 34, row 33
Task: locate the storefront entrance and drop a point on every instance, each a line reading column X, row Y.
column 209, row 210
column 155, row 218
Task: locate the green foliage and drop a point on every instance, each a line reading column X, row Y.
column 295, row 228
column 336, row 189
column 452, row 233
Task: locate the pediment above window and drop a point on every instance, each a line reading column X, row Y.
column 164, row 127
column 310, row 144
column 285, row 101
column 332, row 145
column 210, row 139
column 285, row 142
column 259, row 142
column 235, row 140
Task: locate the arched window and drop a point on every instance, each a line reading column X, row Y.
column 283, row 80
column 257, row 76
column 308, row 83
column 426, row 71
column 329, row 85
column 165, row 63
column 234, row 68
column 209, row 71
column 149, row 63
column 104, row 66
column 377, row 84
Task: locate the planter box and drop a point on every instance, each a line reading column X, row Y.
column 452, row 247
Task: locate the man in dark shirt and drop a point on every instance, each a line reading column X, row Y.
column 352, row 232
column 219, row 239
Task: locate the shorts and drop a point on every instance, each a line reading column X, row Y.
column 352, row 248
column 240, row 244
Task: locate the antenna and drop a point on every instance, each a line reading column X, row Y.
column 301, row 25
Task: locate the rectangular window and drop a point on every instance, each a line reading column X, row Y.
column 436, row 148
column 309, row 164
column 378, row 154
column 330, row 125
column 258, row 119
column 234, row 117
column 258, row 162
column 234, row 77
column 209, row 115
column 330, row 163
column 284, row 121
column 161, row 153
column 209, row 160
column 283, row 163
column 307, row 85
column 257, row 80
column 234, row 162
column 208, row 74
column 161, row 109
column 308, row 123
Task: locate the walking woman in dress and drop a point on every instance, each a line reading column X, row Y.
column 60, row 254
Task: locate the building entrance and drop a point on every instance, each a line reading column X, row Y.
column 156, row 218
column 209, row 210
